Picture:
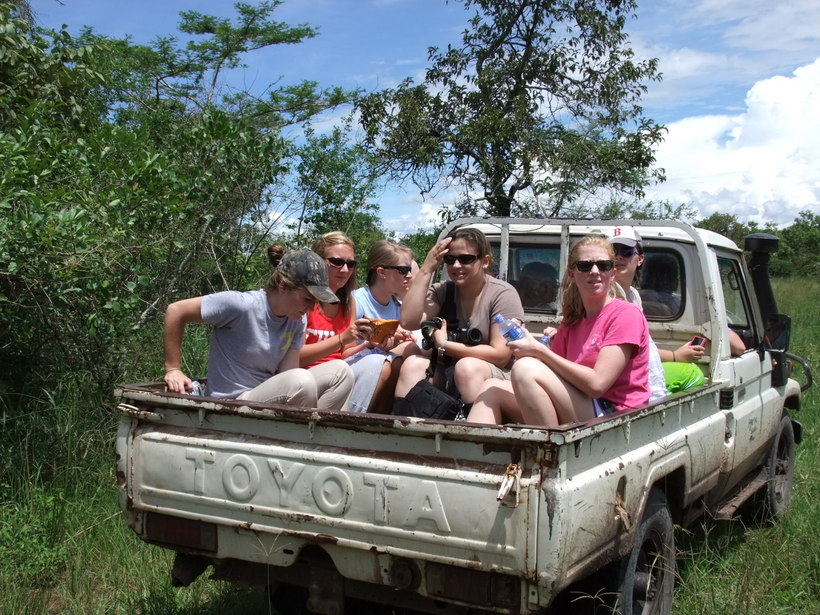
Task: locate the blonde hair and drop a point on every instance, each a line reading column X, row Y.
column 320, row 246
column 572, row 308
column 383, row 253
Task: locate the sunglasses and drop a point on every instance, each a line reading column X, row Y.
column 340, row 262
column 464, row 259
column 586, row 266
column 625, row 251
column 402, row 269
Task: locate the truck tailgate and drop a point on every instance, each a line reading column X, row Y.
column 376, row 484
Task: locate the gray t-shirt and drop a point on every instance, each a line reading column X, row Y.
column 248, row 341
column 497, row 297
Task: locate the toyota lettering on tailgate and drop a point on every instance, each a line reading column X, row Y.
column 266, row 482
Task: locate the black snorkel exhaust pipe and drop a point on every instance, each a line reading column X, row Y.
column 777, row 326
column 762, row 245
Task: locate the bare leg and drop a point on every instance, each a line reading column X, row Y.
column 412, row 371
column 382, row 401
column 470, row 376
column 546, row 398
column 494, row 403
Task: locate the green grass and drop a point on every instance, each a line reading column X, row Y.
column 64, row 547
column 727, row 568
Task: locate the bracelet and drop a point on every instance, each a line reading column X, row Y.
column 172, row 369
column 673, row 356
column 441, row 347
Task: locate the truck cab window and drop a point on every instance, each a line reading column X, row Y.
column 736, row 299
column 662, row 284
column 534, row 272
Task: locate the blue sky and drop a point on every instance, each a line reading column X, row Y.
column 740, row 92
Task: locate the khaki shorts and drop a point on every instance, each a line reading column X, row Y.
column 497, row 372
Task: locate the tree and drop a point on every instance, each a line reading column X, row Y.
column 729, row 226
column 19, row 8
column 126, row 180
column 421, row 242
column 336, row 181
column 797, row 254
column 538, row 104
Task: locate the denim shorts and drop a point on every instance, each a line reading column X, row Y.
column 602, row 407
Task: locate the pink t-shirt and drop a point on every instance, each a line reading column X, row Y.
column 618, row 323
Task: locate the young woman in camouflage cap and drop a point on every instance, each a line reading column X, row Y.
column 257, row 336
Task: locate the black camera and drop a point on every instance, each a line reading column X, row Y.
column 464, row 335
column 471, row 337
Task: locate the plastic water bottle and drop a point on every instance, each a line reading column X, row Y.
column 545, row 339
column 510, row 329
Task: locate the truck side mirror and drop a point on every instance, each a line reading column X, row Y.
column 778, row 332
column 776, row 340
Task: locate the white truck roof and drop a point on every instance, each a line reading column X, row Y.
column 648, row 229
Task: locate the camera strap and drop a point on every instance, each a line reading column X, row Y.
column 430, row 372
column 448, row 308
column 448, row 313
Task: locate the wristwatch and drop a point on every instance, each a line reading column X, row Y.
column 441, row 348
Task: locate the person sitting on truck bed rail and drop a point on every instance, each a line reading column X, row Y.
column 672, row 370
column 254, row 351
column 330, row 325
column 597, row 362
column 480, row 351
column 629, row 257
column 376, row 366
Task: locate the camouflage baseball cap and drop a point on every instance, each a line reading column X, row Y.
column 308, row 269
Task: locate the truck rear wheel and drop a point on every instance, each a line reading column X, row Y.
column 776, row 496
column 646, row 577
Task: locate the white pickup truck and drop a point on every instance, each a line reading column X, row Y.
column 333, row 510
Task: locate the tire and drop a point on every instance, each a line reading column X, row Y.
column 776, row 495
column 288, row 600
column 646, row 577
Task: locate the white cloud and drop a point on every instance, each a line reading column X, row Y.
column 410, row 214
column 760, row 165
column 757, row 25
column 710, row 52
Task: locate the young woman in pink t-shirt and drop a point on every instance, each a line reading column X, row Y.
column 597, row 362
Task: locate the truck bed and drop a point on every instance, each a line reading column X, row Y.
column 262, row 483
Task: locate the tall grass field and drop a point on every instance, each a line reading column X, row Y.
column 64, row 548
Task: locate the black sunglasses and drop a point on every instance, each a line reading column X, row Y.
column 586, row 266
column 624, row 251
column 464, row 259
column 402, row 269
column 340, row 262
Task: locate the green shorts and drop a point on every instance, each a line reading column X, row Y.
column 682, row 376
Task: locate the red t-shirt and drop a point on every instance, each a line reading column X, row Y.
column 320, row 327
